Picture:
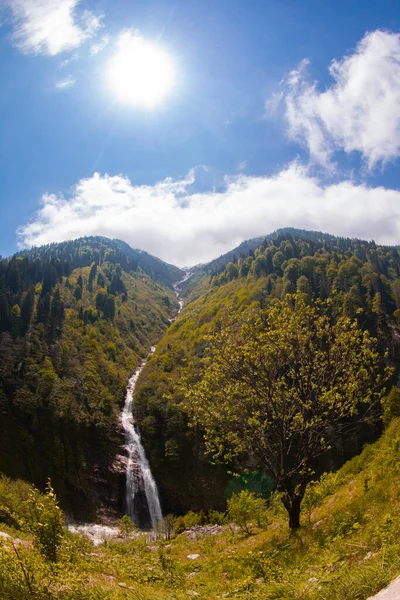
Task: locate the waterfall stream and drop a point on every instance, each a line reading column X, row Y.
column 142, row 501
column 139, row 479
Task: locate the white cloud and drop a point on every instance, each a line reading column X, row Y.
column 359, row 112
column 67, row 61
column 99, row 46
column 171, row 221
column 62, row 84
column 50, row 26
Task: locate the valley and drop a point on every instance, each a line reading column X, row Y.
column 77, row 323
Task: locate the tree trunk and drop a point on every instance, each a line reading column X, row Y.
column 294, row 512
column 292, row 505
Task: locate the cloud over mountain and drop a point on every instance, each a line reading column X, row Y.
column 173, row 221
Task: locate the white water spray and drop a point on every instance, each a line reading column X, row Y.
column 138, row 473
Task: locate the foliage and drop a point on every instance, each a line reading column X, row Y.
column 166, row 527
column 246, row 508
column 391, row 405
column 64, row 361
column 349, row 550
column 281, row 384
column 46, row 522
column 350, row 273
column 126, row 526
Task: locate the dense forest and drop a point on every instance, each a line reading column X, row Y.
column 75, row 320
column 361, row 280
column 306, row 319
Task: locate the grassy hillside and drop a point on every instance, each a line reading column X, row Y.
column 74, row 325
column 361, row 279
column 347, row 549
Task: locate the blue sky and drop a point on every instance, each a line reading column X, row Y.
column 260, row 129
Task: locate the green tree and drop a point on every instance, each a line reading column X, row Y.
column 280, row 384
column 109, row 308
column 101, row 297
column 16, row 321
column 246, row 508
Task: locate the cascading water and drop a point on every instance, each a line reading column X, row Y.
column 142, row 501
column 138, row 474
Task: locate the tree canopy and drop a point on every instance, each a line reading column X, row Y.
column 279, row 384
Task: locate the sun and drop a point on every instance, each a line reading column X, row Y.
column 140, row 72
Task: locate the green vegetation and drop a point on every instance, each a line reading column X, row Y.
column 76, row 319
column 281, row 386
column 360, row 279
column 348, row 549
column 276, row 365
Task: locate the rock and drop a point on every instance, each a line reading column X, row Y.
column 123, row 585
column 193, row 593
column 191, row 575
column 392, row 592
column 15, row 541
column 199, row 532
column 193, row 556
column 368, row 556
column 152, row 548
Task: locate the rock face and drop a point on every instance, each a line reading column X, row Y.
column 392, row 592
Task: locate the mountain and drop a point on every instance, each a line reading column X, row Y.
column 82, row 252
column 362, row 281
column 76, row 319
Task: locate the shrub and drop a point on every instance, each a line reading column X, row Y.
column 166, row 526
column 193, row 519
column 126, row 526
column 217, row 518
column 45, row 522
column 244, row 508
column 391, row 405
column 179, row 526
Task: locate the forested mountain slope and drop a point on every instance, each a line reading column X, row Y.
column 362, row 281
column 75, row 320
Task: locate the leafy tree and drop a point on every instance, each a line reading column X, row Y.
column 245, row 508
column 109, row 308
column 280, row 384
column 27, row 309
column 46, row 522
column 391, row 405
column 16, row 321
column 78, row 292
column 101, row 297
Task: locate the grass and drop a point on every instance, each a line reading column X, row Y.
column 347, row 549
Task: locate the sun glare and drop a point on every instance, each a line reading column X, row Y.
column 140, row 72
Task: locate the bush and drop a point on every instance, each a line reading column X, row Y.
column 166, row 527
column 391, row 405
column 217, row 518
column 45, row 522
column 193, row 519
column 245, row 508
column 126, row 526
column 179, row 526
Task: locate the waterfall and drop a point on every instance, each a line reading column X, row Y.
column 138, row 474
column 141, row 489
